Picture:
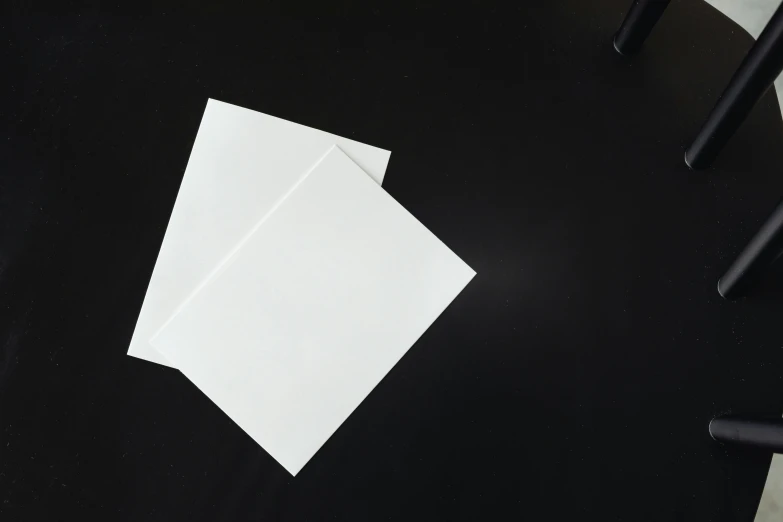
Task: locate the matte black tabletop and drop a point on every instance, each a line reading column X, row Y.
column 573, row 379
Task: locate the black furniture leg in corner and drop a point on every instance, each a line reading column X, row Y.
column 638, row 23
column 765, row 247
column 754, row 76
column 748, row 431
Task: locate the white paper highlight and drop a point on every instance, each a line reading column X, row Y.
column 242, row 163
column 301, row 323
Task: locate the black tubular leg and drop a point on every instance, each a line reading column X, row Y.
column 754, row 76
column 761, row 251
column 638, row 23
column 760, row 433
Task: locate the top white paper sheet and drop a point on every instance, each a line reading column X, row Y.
column 242, row 164
column 321, row 301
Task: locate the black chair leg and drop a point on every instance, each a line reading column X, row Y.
column 638, row 23
column 765, row 247
column 759, row 433
column 754, row 76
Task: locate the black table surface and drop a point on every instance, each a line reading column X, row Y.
column 574, row 378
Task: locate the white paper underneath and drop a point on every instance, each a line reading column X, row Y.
column 242, row 164
column 317, row 306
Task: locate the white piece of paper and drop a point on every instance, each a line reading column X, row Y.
column 242, row 164
column 317, row 306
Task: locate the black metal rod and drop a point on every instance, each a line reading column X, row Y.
column 758, row 432
column 638, row 23
column 755, row 75
column 765, row 247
